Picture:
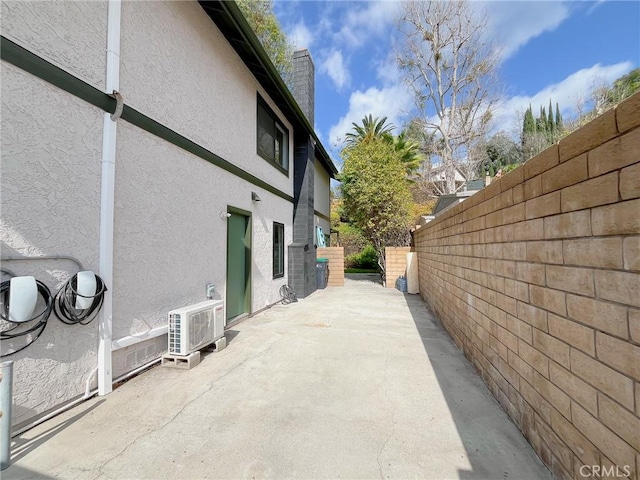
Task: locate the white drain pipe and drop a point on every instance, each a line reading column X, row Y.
column 105, row 370
column 6, row 402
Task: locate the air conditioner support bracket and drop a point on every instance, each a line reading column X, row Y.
column 185, row 362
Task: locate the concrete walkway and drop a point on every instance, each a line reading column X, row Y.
column 353, row 382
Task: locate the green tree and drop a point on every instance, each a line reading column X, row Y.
column 408, row 151
column 371, row 128
column 559, row 125
column 501, row 151
column 260, row 16
column 376, row 193
column 378, row 129
column 624, row 87
column 529, row 123
column 551, row 126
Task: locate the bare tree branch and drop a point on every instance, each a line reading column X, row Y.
column 450, row 68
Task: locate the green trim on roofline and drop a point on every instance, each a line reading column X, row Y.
column 234, row 26
column 22, row 58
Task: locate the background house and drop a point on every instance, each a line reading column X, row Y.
column 211, row 175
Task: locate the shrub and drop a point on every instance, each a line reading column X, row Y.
column 367, row 258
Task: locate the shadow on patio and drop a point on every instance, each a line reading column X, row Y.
column 483, row 427
column 353, row 382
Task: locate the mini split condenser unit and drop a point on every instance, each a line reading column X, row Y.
column 196, row 326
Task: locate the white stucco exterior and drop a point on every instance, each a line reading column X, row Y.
column 50, row 196
column 207, row 95
column 169, row 238
column 71, row 35
column 321, row 199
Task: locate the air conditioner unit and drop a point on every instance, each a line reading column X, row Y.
column 196, row 326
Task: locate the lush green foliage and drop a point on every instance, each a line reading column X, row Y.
column 501, row 152
column 624, row 87
column 538, row 133
column 367, row 258
column 371, row 129
column 259, row 14
column 376, row 194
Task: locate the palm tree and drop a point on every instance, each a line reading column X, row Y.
column 371, row 128
column 409, row 151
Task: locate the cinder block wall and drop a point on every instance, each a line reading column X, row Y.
column 336, row 264
column 396, row 264
column 537, row 280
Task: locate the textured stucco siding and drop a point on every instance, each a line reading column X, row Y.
column 179, row 69
column 170, row 240
column 69, row 34
column 50, row 196
column 321, row 199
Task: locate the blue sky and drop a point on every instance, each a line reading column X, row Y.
column 551, row 50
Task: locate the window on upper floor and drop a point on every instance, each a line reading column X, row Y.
column 273, row 138
column 278, row 250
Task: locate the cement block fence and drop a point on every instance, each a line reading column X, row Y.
column 536, row 278
column 396, row 264
column 335, row 255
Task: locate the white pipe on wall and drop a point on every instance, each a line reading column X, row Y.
column 105, row 371
column 133, row 339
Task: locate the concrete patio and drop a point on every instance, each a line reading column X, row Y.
column 353, row 382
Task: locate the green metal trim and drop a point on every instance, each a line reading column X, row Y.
column 322, row 215
column 22, row 58
column 142, row 121
column 278, row 275
column 248, row 294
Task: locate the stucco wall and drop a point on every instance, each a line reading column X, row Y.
column 322, row 186
column 321, row 198
column 50, row 196
column 180, row 70
column 170, row 240
column 536, row 278
column 71, row 35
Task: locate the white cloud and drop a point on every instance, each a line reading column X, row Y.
column 595, row 5
column 392, row 102
column 566, row 93
column 361, row 25
column 301, row 36
column 334, row 66
column 514, row 24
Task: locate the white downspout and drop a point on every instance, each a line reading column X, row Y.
column 105, row 371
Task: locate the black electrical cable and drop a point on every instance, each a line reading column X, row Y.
column 10, row 330
column 65, row 301
column 287, row 295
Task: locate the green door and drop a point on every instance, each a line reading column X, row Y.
column 238, row 264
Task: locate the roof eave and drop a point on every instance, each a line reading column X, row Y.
column 231, row 22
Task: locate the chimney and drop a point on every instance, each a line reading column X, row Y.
column 304, row 82
column 487, row 179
